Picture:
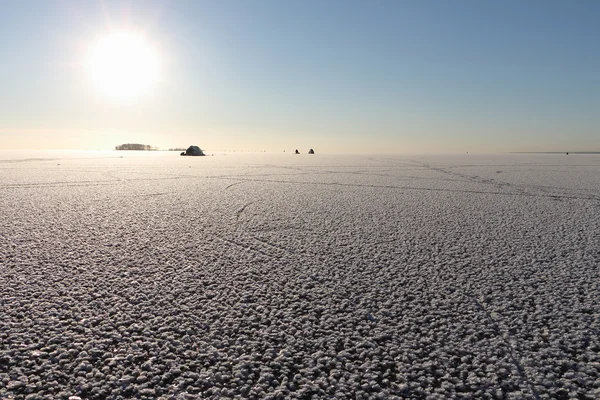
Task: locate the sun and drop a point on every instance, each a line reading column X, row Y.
column 123, row 65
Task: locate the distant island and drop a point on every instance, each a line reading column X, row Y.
column 136, row 146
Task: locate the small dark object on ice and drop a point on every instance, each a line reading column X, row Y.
column 296, row 152
column 193, row 151
column 567, row 153
column 311, row 151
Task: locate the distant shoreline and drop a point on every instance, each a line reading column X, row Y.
column 554, row 152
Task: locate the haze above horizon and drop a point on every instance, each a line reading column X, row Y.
column 337, row 76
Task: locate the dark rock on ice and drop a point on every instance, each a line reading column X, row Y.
column 193, row 151
column 311, row 151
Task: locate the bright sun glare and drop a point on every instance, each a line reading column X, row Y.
column 123, row 66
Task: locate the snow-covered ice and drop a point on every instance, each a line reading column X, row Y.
column 150, row 275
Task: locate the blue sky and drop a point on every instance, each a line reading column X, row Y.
column 338, row 76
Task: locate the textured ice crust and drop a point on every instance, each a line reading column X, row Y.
column 279, row 276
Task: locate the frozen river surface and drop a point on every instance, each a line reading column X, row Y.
column 149, row 275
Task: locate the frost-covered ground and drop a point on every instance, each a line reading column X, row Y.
column 283, row 276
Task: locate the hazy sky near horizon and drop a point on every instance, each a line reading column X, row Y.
column 337, row 76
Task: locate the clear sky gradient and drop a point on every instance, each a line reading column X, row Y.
column 338, row 76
